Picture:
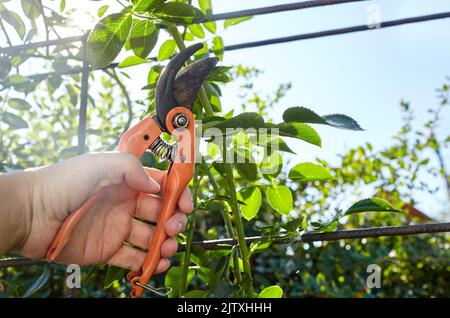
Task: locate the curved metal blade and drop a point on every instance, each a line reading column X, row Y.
column 168, row 88
column 190, row 79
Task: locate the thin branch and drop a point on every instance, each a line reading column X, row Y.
column 5, row 32
column 44, row 18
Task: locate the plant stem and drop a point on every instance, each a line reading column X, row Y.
column 225, row 214
column 248, row 279
column 248, row 283
column 237, row 270
column 187, row 252
column 44, row 18
column 205, row 102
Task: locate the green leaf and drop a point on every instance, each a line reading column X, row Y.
column 166, row 50
column 142, row 6
column 325, row 227
column 342, row 121
column 280, row 198
column 252, row 198
column 14, row 121
column 197, row 30
column 230, row 22
column 189, row 37
column 271, row 164
column 293, row 226
column 307, row 171
column 131, row 61
column 102, row 10
column 271, row 292
column 153, row 75
column 196, row 294
column 113, row 274
column 299, row 131
column 60, row 65
column 210, row 26
column 215, row 275
column 371, row 205
column 212, row 205
column 302, row 115
column 218, row 47
column 173, row 278
column 180, row 13
column 219, row 74
column 73, row 95
column 243, row 120
column 14, row 20
column 148, row 159
column 261, row 244
column 62, row 5
column 247, row 170
column 19, row 104
column 143, row 38
column 17, row 79
column 107, row 39
column 31, row 8
column 272, row 143
column 305, row 115
column 254, row 120
column 38, row 283
column 203, row 51
column 206, row 7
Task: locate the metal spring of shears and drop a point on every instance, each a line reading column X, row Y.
column 163, row 150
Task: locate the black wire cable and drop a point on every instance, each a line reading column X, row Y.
column 36, row 45
column 245, row 45
column 276, row 8
column 215, row 17
column 285, row 239
column 18, row 261
column 353, row 29
column 332, row 236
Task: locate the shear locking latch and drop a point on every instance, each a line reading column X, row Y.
column 161, row 291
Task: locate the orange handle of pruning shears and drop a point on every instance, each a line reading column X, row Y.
column 178, row 177
column 136, row 141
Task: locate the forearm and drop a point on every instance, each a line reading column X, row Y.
column 15, row 209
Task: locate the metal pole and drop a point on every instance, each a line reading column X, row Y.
column 83, row 102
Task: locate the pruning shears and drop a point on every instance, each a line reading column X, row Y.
column 175, row 95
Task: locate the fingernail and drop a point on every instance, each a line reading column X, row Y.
column 154, row 185
column 180, row 227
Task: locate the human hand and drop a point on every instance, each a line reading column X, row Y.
column 131, row 191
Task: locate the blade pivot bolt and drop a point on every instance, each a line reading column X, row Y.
column 180, row 121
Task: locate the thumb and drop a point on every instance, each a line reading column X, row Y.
column 137, row 179
column 116, row 168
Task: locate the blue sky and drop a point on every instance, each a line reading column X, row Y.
column 363, row 75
